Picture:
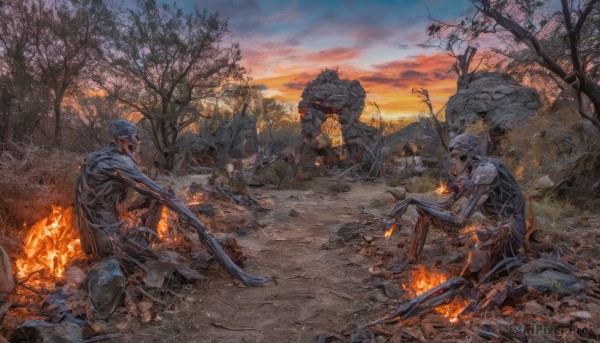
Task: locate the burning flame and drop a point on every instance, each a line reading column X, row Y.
column 163, row 226
column 424, row 280
column 389, row 232
column 51, row 244
column 442, row 189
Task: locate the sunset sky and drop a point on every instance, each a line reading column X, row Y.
column 383, row 44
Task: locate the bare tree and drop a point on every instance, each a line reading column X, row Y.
column 23, row 98
column 67, row 41
column 163, row 63
column 423, row 94
column 571, row 60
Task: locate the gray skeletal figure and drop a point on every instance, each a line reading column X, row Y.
column 102, row 186
column 488, row 185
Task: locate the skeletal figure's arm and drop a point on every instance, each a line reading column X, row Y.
column 130, row 174
column 464, row 187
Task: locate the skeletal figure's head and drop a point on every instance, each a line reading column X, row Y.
column 463, row 149
column 126, row 137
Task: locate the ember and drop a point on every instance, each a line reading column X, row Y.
column 442, row 189
column 165, row 231
column 389, row 232
column 471, row 231
column 51, row 244
column 424, row 280
column 196, row 199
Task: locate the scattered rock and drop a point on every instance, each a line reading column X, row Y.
column 75, row 277
column 35, row 330
column 544, row 182
column 553, row 282
column 335, row 241
column 349, row 231
column 7, row 281
column 106, row 286
column 382, row 201
column 399, row 193
column 293, row 213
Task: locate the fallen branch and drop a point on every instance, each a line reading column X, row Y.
column 230, row 328
column 103, row 337
column 419, row 304
column 151, row 297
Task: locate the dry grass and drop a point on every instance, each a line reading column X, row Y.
column 32, row 178
column 550, row 213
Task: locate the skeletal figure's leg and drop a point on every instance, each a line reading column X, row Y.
column 415, row 253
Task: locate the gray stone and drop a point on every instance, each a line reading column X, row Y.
column 495, row 98
column 399, row 193
column 106, row 286
column 335, row 241
column 553, row 282
column 34, row 330
column 544, row 182
column 349, row 231
column 293, row 213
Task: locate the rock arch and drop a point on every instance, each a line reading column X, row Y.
column 324, row 97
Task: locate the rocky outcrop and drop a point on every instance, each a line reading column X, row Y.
column 417, row 138
column 496, row 99
column 239, row 136
column 325, row 97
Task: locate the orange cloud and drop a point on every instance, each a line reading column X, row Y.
column 334, row 55
column 388, row 84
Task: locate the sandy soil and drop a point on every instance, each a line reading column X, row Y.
column 313, row 290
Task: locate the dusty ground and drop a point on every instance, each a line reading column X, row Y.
column 317, row 291
column 312, row 291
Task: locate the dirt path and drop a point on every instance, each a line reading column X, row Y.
column 313, row 291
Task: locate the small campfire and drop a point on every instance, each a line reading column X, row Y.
column 423, row 280
column 50, row 246
column 442, row 189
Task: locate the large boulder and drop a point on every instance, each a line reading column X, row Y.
column 324, row 97
column 496, row 99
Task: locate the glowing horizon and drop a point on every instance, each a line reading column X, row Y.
column 383, row 44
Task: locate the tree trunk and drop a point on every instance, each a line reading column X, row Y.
column 57, row 126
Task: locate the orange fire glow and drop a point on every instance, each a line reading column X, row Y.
column 389, row 232
column 196, row 199
column 51, row 244
column 470, row 231
column 442, row 189
column 163, row 226
column 424, row 280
